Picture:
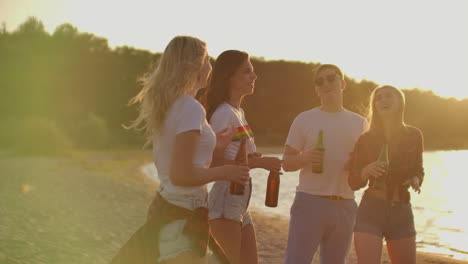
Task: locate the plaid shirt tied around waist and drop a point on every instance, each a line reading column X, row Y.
column 143, row 247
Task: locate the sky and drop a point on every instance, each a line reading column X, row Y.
column 406, row 43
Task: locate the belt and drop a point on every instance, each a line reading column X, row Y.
column 333, row 197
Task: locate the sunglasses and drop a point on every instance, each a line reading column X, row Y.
column 329, row 78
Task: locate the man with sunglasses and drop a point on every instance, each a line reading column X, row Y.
column 324, row 209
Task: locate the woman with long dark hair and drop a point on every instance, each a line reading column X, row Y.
column 232, row 79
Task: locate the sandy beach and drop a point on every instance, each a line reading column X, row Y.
column 82, row 207
column 272, row 236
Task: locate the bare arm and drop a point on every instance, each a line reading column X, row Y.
column 267, row 163
column 417, row 167
column 183, row 173
column 255, row 161
column 419, row 158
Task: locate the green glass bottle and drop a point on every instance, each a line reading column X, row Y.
column 379, row 182
column 318, row 169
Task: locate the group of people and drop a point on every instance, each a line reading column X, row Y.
column 196, row 135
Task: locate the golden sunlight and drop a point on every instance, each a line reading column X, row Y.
column 383, row 43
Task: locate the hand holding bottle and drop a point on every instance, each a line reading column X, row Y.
column 314, row 157
column 380, row 170
column 236, row 174
column 375, row 169
column 267, row 163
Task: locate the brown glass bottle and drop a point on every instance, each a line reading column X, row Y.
column 273, row 185
column 241, row 159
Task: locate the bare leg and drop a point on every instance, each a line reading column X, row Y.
column 249, row 245
column 229, row 236
column 368, row 248
column 402, row 250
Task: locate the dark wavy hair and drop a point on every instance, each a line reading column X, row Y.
column 218, row 90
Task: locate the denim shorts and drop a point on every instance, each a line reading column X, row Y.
column 392, row 220
column 173, row 242
column 223, row 204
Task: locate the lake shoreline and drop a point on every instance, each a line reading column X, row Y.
column 269, row 149
column 107, row 196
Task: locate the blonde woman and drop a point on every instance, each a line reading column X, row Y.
column 176, row 230
column 385, row 211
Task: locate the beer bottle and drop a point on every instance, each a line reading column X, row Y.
column 317, row 169
column 273, row 184
column 241, row 159
column 379, row 182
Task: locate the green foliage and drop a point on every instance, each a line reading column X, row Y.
column 33, row 136
column 32, row 27
column 66, row 75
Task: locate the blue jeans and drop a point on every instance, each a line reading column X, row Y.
column 319, row 221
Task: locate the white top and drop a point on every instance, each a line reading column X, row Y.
column 227, row 115
column 341, row 130
column 185, row 114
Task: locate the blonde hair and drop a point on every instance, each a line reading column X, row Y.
column 176, row 74
column 374, row 119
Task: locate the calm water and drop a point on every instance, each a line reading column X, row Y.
column 440, row 208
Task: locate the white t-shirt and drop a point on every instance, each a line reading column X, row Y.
column 227, row 115
column 340, row 132
column 185, row 114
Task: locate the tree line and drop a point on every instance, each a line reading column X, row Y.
column 70, row 89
